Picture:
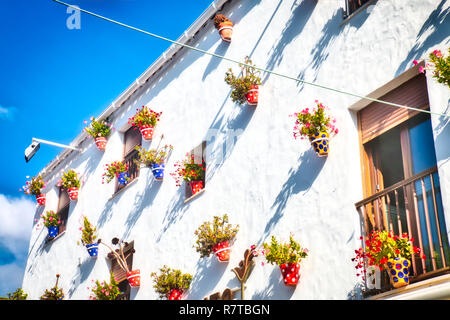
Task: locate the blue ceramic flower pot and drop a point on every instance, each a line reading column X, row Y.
column 158, row 171
column 123, row 178
column 53, row 231
column 92, row 249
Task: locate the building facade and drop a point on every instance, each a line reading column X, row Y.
column 388, row 167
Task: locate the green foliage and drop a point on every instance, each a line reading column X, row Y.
column 153, row 156
column 19, row 294
column 105, row 291
column 50, row 219
column 34, row 186
column 113, row 169
column 169, row 279
column 98, row 128
column 279, row 253
column 242, row 84
column 211, row 233
column 310, row 123
column 70, row 179
column 441, row 68
column 188, row 170
column 54, row 293
column 144, row 117
column 88, row 232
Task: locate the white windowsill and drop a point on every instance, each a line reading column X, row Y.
column 194, row 196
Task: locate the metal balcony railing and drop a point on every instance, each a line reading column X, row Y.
column 413, row 206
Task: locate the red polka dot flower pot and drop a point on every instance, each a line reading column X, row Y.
column 101, row 143
column 175, row 294
column 147, row 132
column 252, row 95
column 145, row 119
column 291, row 273
column 171, row 283
column 100, row 131
column 73, row 193
column 196, row 186
column 40, row 199
column 134, row 278
column 222, row 251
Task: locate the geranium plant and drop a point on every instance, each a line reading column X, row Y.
column 115, row 169
column 215, row 235
column 70, row 180
column 50, row 219
column 171, row 283
column 145, row 120
column 190, row 171
column 98, row 128
column 35, row 187
column 104, row 290
column 439, row 66
column 152, row 156
column 54, row 293
column 243, row 84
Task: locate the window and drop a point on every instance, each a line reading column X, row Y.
column 120, row 275
column 132, row 138
column 199, row 154
column 63, row 209
column 352, row 5
column 401, row 183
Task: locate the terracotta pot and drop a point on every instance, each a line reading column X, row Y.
column 101, row 143
column 290, row 272
column 175, row 294
column 226, row 30
column 134, row 278
column 73, row 193
column 40, row 199
column 222, row 251
column 252, row 95
column 196, row 186
column 147, row 132
column 398, row 269
column 320, row 143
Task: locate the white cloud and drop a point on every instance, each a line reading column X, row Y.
column 16, row 223
column 7, row 112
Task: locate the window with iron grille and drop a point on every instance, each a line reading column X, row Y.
column 352, row 5
column 132, row 138
column 199, row 154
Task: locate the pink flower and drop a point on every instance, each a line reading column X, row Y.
column 437, row 53
column 421, row 69
column 415, row 62
column 307, row 124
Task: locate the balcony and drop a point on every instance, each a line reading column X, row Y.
column 413, row 206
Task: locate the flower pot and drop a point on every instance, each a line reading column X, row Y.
column 222, row 251
column 196, row 186
column 320, row 143
column 40, row 199
column 101, row 143
column 73, row 193
column 290, row 272
column 252, row 95
column 123, row 178
column 92, row 249
column 134, row 278
column 175, row 294
column 158, row 171
column 398, row 269
column 226, row 30
column 53, row 231
column 147, row 132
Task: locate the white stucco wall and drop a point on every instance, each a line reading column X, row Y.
column 267, row 182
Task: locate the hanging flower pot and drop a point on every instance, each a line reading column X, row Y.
column 158, row 171
column 50, row 219
column 222, row 251
column 73, row 193
column 225, row 27
column 101, row 143
column 92, row 249
column 147, row 132
column 252, row 95
column 290, row 272
column 175, row 294
column 122, row 178
column 398, row 269
column 320, row 143
column 134, row 278
column 196, row 186
column 52, row 231
column 40, row 199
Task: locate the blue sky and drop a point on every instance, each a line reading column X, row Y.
column 52, row 78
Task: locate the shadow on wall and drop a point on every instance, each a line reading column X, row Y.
column 294, row 27
column 275, row 289
column 435, row 29
column 442, row 138
column 300, row 179
column 83, row 273
column 208, row 273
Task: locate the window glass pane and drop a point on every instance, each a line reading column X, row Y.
column 422, row 146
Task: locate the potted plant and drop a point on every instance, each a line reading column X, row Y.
column 171, row 283
column 19, row 294
column 34, row 187
column 245, row 87
column 191, row 172
column 387, row 251
column 133, row 276
column 155, row 159
column 88, row 236
column 54, row 293
column 145, row 120
column 116, row 169
column 439, row 66
column 316, row 126
column 288, row 256
column 216, row 237
column 105, row 291
column 71, row 182
column 99, row 130
column 51, row 220
column 225, row 27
